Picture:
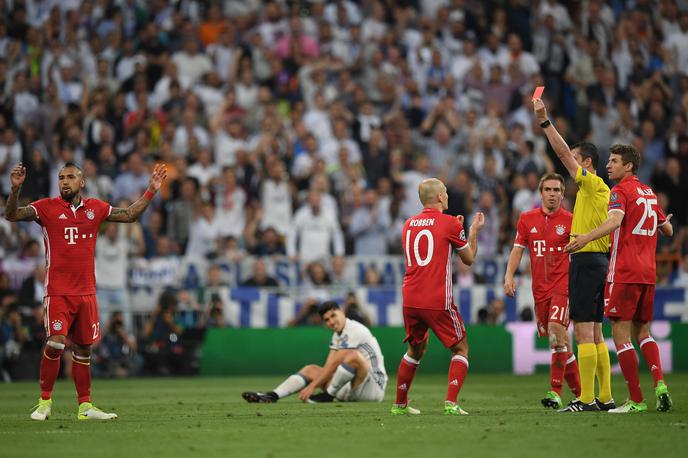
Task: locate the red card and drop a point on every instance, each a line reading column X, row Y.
column 538, row 92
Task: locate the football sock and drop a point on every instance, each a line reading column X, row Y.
column 291, row 385
column 50, row 367
column 629, row 367
column 457, row 374
column 81, row 374
column 587, row 362
column 342, row 375
column 572, row 375
column 603, row 372
column 558, row 368
column 650, row 351
column 405, row 374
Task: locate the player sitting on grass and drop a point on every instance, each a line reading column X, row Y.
column 354, row 369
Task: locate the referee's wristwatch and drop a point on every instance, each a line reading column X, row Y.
column 545, row 124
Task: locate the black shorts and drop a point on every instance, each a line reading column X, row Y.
column 587, row 279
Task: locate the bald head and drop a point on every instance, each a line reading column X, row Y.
column 431, row 191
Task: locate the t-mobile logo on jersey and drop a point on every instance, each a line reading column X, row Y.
column 539, row 246
column 71, row 234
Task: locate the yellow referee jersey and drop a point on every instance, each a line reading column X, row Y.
column 591, row 209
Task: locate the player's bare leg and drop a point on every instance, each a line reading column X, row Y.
column 292, row 384
column 558, row 344
column 458, row 368
column 49, row 370
column 628, row 360
column 650, row 351
column 81, row 374
column 353, row 367
column 405, row 374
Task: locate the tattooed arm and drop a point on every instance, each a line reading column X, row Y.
column 12, row 212
column 133, row 211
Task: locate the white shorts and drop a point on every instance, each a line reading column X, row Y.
column 371, row 389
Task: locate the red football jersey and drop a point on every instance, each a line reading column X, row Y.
column 70, row 240
column 545, row 236
column 634, row 243
column 428, row 239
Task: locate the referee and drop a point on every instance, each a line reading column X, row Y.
column 587, row 269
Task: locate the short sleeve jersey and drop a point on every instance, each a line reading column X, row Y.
column 428, row 240
column 355, row 335
column 634, row 243
column 545, row 236
column 590, row 209
column 70, row 240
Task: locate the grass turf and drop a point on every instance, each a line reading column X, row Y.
column 207, row 417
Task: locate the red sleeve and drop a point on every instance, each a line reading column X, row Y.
column 617, row 200
column 661, row 217
column 456, row 235
column 41, row 209
column 104, row 210
column 521, row 234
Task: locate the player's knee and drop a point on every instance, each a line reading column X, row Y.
column 460, row 348
column 54, row 347
column 83, row 351
column 310, row 371
column 417, row 351
column 584, row 333
column 354, row 359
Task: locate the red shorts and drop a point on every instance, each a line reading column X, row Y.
column 75, row 316
column 629, row 301
column 446, row 324
column 552, row 310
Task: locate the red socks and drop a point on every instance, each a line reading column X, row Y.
column 50, row 367
column 557, row 369
column 572, row 376
column 650, row 351
column 629, row 367
column 405, row 374
column 457, row 374
column 81, row 373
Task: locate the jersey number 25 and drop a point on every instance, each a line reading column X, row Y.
column 649, row 213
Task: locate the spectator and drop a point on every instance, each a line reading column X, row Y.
column 115, row 354
column 369, row 226
column 112, row 262
column 260, row 277
column 163, row 351
column 314, row 233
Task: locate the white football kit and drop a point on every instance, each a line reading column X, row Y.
column 356, row 336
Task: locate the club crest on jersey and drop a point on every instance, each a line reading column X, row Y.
column 57, row 325
column 560, row 229
column 90, row 214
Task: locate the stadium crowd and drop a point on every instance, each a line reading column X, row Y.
column 303, row 128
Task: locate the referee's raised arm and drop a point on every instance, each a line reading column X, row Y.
column 587, row 268
column 558, row 143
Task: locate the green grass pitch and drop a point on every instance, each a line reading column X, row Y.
column 207, row 417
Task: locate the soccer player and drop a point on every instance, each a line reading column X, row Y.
column 634, row 219
column 353, row 371
column 545, row 233
column 428, row 240
column 587, row 268
column 70, row 225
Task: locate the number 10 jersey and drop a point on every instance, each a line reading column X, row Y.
column 428, row 240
